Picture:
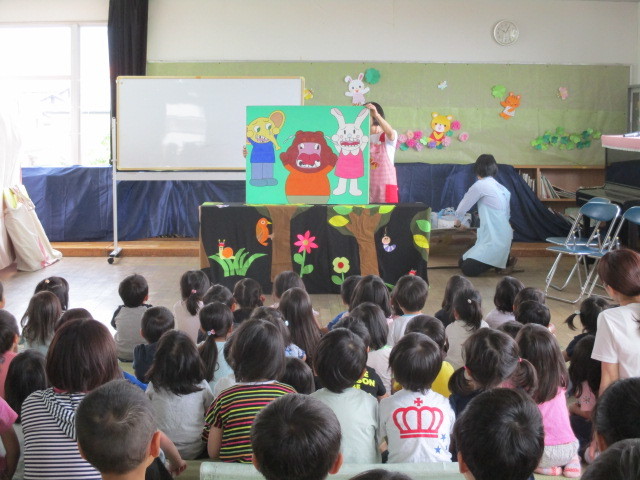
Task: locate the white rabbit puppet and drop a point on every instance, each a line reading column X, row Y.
column 350, row 141
column 356, row 89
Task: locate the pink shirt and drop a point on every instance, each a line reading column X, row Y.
column 5, row 361
column 555, row 418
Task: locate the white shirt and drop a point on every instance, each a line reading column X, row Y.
column 618, row 339
column 397, row 328
column 490, row 191
column 357, row 413
column 410, row 441
column 495, row 318
column 181, row 417
column 379, row 361
column 185, row 322
column 457, row 333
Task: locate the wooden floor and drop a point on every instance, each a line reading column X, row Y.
column 94, row 284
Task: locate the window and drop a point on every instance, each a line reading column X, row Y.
column 58, row 76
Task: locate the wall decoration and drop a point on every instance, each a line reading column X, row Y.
column 357, row 90
column 498, row 91
column 305, row 242
column 372, row 76
column 319, row 155
column 234, row 264
column 341, row 266
column 443, row 127
column 510, row 104
column 463, row 137
column 308, row 94
column 565, row 141
column 442, row 85
column 563, row 93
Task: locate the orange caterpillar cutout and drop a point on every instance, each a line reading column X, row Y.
column 510, row 104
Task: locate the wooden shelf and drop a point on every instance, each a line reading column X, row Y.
column 567, row 177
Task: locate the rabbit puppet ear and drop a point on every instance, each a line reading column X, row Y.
column 338, row 114
column 347, row 79
column 361, row 116
column 361, row 76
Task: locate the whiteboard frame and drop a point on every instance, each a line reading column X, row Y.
column 119, row 168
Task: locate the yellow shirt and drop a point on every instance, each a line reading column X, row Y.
column 440, row 384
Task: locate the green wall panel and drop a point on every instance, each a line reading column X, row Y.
column 409, row 93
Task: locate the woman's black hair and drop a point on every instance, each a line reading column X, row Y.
column 506, row 292
column 379, row 109
column 8, row 331
column 176, row 366
column 248, row 293
column 257, row 352
column 374, row 319
column 216, row 320
column 371, row 288
column 58, row 286
column 432, row 328
column 468, row 305
column 541, row 348
column 415, row 362
column 583, row 368
column 491, row 358
column 590, row 308
column 286, row 280
column 25, row 375
column 39, row 320
column 299, row 375
column 193, row 285
column 219, row 293
column 485, row 166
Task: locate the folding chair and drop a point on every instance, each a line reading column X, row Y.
column 581, row 248
column 631, row 215
column 576, row 240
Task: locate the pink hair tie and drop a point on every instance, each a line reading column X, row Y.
column 211, row 332
column 193, row 291
column 519, row 359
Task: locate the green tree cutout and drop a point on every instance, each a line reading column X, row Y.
column 356, row 221
column 421, row 230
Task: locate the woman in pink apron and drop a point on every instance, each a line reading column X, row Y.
column 383, row 185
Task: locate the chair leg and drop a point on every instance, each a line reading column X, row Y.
column 552, row 272
column 577, row 269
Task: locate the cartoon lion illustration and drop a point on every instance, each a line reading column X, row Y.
column 309, row 159
column 440, row 124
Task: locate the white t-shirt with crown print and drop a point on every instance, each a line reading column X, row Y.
column 417, row 426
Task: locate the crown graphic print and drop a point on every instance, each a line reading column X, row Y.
column 418, row 421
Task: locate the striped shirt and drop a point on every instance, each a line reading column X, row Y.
column 233, row 412
column 50, row 448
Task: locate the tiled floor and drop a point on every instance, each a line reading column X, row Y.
column 94, row 285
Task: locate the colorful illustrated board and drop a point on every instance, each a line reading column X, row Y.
column 313, row 155
column 324, row 244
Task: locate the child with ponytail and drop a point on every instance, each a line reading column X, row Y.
column 467, row 311
column 216, row 322
column 193, row 286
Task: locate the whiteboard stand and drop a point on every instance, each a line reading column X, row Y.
column 156, row 176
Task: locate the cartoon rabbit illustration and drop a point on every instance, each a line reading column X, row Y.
column 356, row 89
column 350, row 141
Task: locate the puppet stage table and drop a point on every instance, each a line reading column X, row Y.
column 323, row 243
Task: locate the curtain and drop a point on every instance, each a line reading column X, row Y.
column 127, row 31
column 9, row 167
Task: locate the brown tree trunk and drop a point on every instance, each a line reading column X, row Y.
column 361, row 226
column 281, row 216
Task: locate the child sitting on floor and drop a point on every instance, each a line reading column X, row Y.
column 193, row 285
column 133, row 291
column 155, row 321
column 216, row 323
column 410, row 295
column 9, row 338
column 506, row 292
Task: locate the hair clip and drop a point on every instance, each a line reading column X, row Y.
column 469, row 301
column 46, row 280
column 193, row 291
column 286, row 323
column 211, row 332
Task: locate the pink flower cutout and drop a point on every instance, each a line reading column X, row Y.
column 463, row 137
column 418, row 134
column 409, row 134
column 446, row 141
column 455, row 125
column 305, row 242
column 419, row 146
column 402, row 138
column 411, row 143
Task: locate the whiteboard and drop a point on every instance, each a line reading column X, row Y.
column 169, row 123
